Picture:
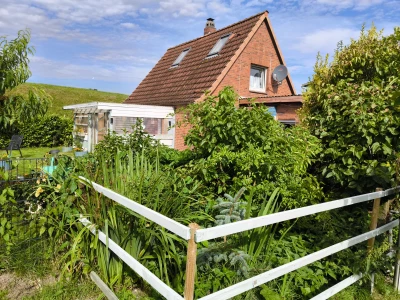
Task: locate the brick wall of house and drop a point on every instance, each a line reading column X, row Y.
column 259, row 51
column 287, row 111
column 180, row 132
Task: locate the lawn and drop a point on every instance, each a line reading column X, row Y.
column 63, row 95
column 31, row 152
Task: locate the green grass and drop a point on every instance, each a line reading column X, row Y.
column 72, row 289
column 63, row 95
column 38, row 152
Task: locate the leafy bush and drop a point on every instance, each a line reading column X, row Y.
column 351, row 105
column 47, row 131
column 234, row 148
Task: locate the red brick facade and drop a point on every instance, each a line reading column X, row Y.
column 259, row 51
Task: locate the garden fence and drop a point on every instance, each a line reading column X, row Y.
column 22, row 169
column 194, row 235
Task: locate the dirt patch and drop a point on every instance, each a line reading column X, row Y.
column 19, row 287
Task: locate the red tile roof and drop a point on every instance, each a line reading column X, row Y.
column 195, row 74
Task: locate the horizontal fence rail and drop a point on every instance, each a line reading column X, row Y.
column 338, row 287
column 170, row 224
column 248, row 224
column 143, row 272
column 255, row 281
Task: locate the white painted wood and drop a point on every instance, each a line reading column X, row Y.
column 126, row 110
column 338, row 287
column 255, row 281
column 141, row 270
column 172, row 225
column 227, row 229
column 102, row 286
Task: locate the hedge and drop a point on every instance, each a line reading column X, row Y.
column 49, row 131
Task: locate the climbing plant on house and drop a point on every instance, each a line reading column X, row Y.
column 351, row 105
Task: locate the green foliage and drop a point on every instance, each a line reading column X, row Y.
column 51, row 130
column 230, row 210
column 31, row 108
column 14, row 61
column 135, row 141
column 47, row 131
column 234, row 148
column 351, row 105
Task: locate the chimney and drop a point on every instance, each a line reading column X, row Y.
column 210, row 26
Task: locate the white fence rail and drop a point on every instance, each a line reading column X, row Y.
column 145, row 273
column 224, row 230
column 227, row 229
column 172, row 225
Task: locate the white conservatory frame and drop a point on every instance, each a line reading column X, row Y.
column 95, row 119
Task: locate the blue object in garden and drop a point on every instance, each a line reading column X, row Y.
column 5, row 164
column 50, row 169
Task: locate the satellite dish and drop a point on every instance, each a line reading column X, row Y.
column 279, row 73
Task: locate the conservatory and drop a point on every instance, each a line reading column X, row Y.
column 92, row 121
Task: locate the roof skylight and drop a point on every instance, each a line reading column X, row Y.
column 180, row 57
column 218, row 46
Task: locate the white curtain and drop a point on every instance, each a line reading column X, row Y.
column 257, row 79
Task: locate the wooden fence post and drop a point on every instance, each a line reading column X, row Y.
column 374, row 220
column 397, row 265
column 191, row 263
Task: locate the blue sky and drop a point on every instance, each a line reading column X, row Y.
column 111, row 45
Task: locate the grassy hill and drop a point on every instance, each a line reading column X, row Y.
column 63, row 95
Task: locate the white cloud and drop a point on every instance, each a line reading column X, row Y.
column 325, row 40
column 129, row 25
column 342, row 4
column 218, row 8
column 53, row 69
column 182, row 8
column 258, row 2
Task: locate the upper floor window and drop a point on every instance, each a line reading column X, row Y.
column 180, row 57
column 257, row 79
column 218, row 46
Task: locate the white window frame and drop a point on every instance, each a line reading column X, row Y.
column 218, row 46
column 180, row 57
column 264, row 79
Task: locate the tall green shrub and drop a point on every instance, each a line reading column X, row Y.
column 350, row 105
column 245, row 147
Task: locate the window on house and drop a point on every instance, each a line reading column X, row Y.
column 257, row 79
column 180, row 57
column 218, row 46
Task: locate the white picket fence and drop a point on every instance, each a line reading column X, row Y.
column 194, row 235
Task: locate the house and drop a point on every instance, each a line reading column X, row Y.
column 242, row 55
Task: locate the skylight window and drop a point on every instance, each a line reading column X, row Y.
column 180, row 57
column 218, row 46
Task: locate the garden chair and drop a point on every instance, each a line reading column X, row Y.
column 15, row 144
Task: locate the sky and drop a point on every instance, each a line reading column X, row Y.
column 111, row 45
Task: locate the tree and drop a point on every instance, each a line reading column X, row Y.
column 14, row 70
column 14, row 61
column 351, row 106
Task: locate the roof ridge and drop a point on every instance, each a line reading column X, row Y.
column 234, row 24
